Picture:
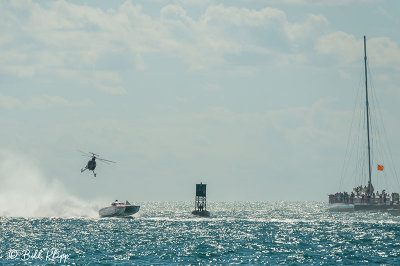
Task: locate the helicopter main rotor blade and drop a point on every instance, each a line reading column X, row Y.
column 104, row 160
column 94, row 154
column 86, row 153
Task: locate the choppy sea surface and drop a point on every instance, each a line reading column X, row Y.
column 236, row 232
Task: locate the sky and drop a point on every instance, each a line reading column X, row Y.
column 253, row 98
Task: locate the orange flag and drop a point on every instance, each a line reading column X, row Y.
column 380, row 167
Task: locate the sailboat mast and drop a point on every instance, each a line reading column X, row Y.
column 367, row 109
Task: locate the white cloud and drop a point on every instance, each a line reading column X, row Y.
column 344, row 74
column 272, row 18
column 347, row 49
column 243, row 16
column 321, row 2
column 107, row 81
column 276, row 2
column 341, row 45
column 140, row 63
column 10, row 102
column 315, row 126
column 113, row 89
column 40, row 102
column 63, row 36
column 303, row 31
column 212, row 87
column 384, row 52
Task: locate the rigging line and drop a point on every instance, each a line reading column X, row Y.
column 389, row 175
column 356, row 159
column 360, row 149
column 358, row 140
column 388, row 151
column 364, row 150
column 385, row 142
column 379, row 153
column 347, row 155
column 356, row 148
column 385, row 180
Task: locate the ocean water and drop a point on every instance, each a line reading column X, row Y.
column 236, row 232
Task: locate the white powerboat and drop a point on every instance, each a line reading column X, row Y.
column 119, row 209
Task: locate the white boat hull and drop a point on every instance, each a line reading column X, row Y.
column 130, row 210
column 341, row 207
column 112, row 211
column 118, row 211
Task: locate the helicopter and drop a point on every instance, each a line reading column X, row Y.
column 91, row 164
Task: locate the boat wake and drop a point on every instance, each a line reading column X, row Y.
column 25, row 192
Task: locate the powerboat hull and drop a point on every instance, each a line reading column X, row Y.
column 118, row 211
column 112, row 211
column 130, row 210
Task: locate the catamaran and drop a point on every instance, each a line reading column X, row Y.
column 365, row 197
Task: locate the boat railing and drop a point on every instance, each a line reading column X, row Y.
column 364, row 200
